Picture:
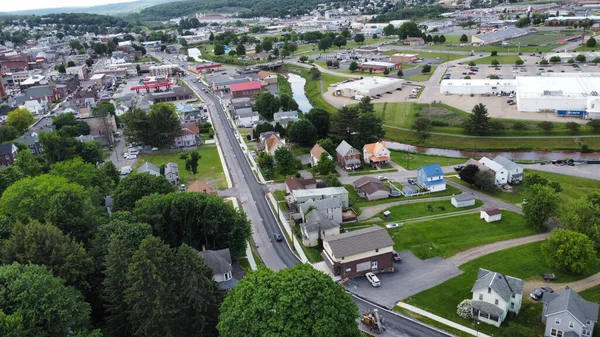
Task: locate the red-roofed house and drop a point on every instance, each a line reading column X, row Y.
column 376, row 153
column 246, row 89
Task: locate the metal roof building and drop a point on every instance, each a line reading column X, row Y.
column 368, row 86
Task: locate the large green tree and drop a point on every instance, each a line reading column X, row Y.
column 325, row 165
column 20, row 118
column 59, row 146
column 29, row 164
column 303, row 133
column 468, row 174
column 539, row 204
column 266, row 105
column 285, row 161
column 84, row 174
column 294, row 302
column 568, row 250
column 163, row 125
column 8, row 176
column 409, row 29
column 36, row 303
column 478, row 122
column 365, row 105
column 134, row 187
column 582, row 216
column 197, row 219
column 320, row 118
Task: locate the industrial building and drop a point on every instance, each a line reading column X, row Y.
column 379, row 66
column 368, row 86
column 477, row 86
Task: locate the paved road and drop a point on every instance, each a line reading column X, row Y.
column 398, row 325
column 589, row 171
column 578, row 286
column 487, row 200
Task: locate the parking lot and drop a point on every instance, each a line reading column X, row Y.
column 410, row 277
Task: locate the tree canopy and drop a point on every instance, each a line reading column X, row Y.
column 478, row 122
column 136, row 186
column 321, row 120
column 539, row 204
column 568, row 250
column 20, row 118
column 302, row 132
column 285, row 303
column 266, row 105
column 158, row 128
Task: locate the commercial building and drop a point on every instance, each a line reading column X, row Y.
column 404, row 58
column 477, row 86
column 245, row 89
column 163, row 70
column 566, row 94
column 379, row 66
column 368, row 86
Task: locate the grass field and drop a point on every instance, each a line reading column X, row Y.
column 444, row 56
column 503, row 59
column 545, row 37
column 419, row 210
column 412, row 161
column 210, row 169
column 397, row 114
column 447, row 236
column 312, row 87
column 358, row 201
column 523, row 262
column 421, row 77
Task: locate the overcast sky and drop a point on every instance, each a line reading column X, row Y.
column 12, row 5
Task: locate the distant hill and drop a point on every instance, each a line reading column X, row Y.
column 110, row 9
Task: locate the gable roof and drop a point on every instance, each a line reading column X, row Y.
column 272, row 141
column 294, row 183
column 218, row 260
column 7, row 149
column 432, row 170
column 375, row 147
column 321, row 204
column 317, row 151
column 492, row 211
column 496, row 167
column 569, row 300
column 369, row 185
column 359, row 241
column 252, row 85
column 149, row 168
column 463, row 197
column 344, row 148
column 507, row 163
column 505, row 286
column 317, row 220
column 171, row 168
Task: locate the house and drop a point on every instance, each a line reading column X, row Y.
column 566, row 313
column 8, row 154
column 370, row 188
column 247, row 119
column 271, row 142
column 500, row 173
column 315, row 154
column 431, row 177
column 31, row 139
column 220, row 263
column 347, row 156
column 358, row 252
column 245, row 89
column 321, row 219
column 494, row 295
column 172, row 173
column 302, row 195
column 285, row 117
column 376, row 154
column 149, row 168
column 462, row 200
column 200, row 187
column 515, row 171
column 293, row 183
column 490, row 215
column 413, row 41
column 190, row 136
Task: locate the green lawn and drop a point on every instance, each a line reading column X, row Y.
column 420, row 209
column 524, row 262
column 210, row 169
column 421, row 77
column 412, row 161
column 397, row 114
column 444, row 56
column 503, row 59
column 448, row 236
column 514, row 197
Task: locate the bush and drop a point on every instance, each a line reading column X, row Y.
column 519, row 126
column 465, row 309
column 426, row 69
column 572, row 126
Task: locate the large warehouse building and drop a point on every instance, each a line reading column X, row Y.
column 368, row 86
column 477, row 86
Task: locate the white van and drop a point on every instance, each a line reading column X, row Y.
column 373, row 279
column 125, row 170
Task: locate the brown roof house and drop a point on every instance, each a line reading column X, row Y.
column 271, row 141
column 370, row 188
column 293, row 183
column 491, row 215
column 315, row 154
column 359, row 252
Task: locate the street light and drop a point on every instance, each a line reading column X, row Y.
column 477, row 329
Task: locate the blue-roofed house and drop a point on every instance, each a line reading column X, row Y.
column 431, row 177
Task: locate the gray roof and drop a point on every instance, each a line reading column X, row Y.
column 343, row 148
column 6, row 149
column 230, row 284
column 487, row 308
column 369, row 185
column 149, row 168
column 507, row 163
column 316, row 220
column 171, row 168
column 359, row 241
column 463, row 197
column 571, row 301
column 39, row 91
column 502, row 34
column 218, row 260
column 246, row 112
column 284, row 114
column 505, row 286
column 321, row 204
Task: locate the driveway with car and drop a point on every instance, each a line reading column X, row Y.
column 410, row 277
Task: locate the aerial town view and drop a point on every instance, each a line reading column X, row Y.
column 394, row 168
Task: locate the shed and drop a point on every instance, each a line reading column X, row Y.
column 491, row 215
column 409, row 190
column 462, row 200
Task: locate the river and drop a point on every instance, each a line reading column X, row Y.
column 298, row 83
column 513, row 155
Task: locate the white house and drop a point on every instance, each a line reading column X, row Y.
column 566, row 313
column 376, row 154
column 301, row 196
column 494, row 295
column 321, row 219
column 515, row 171
column 315, row 154
column 188, row 137
column 500, row 173
column 462, row 200
column 431, row 177
column 270, row 141
column 247, row 119
column 490, row 215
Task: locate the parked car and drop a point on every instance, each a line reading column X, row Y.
column 131, row 156
column 412, row 181
column 509, row 101
column 182, row 188
column 472, row 73
column 373, row 279
column 538, row 293
column 458, row 168
column 393, row 225
column 396, row 256
column 382, row 178
column 278, row 237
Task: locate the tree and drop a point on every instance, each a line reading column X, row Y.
column 332, row 180
column 8, row 176
column 303, row 58
column 464, row 38
column 61, row 69
column 266, row 163
column 435, row 39
column 468, row 174
column 375, row 37
column 163, row 125
column 339, row 41
column 325, row 165
column 365, row 105
column 183, row 42
column 421, row 124
column 288, row 297
column 20, row 119
column 400, row 73
column 386, row 71
column 596, row 60
column 320, row 118
column 325, row 43
column 534, row 179
column 315, row 73
column 134, row 187
column 591, row 42
column 568, row 250
column 546, row 126
column 426, row 69
column 495, row 62
column 211, row 37
column 240, row 49
column 544, row 62
column 266, row 104
column 472, row 64
column 478, row 122
column 8, row 133
column 594, row 124
column 288, row 103
column 353, row 66
column 465, row 309
column 267, row 44
column 572, row 126
column 583, row 216
column 219, row 48
column 369, row 130
column 111, row 173
column 359, row 38
column 555, row 59
column 46, row 245
column 539, row 204
column 328, row 145
column 570, row 61
column 409, row 29
column 389, row 30
column 580, row 58
column 285, row 161
column 35, row 303
column 484, row 180
column 29, row 164
column 519, row 62
column 82, row 173
column 191, row 163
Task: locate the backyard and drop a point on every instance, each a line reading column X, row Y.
column 210, row 170
column 523, row 262
column 423, row 209
column 412, row 161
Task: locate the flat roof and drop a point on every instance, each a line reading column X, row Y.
column 556, row 86
column 479, row 82
column 319, row 191
column 368, row 83
column 378, row 64
column 97, row 76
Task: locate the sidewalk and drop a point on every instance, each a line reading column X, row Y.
column 441, row 320
column 286, row 226
column 249, row 254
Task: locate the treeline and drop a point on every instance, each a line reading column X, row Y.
column 428, row 12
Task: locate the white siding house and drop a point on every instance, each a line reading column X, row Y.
column 431, row 177
column 462, row 200
column 515, row 171
column 494, row 295
column 500, row 173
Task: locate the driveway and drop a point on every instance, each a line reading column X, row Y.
column 410, row 277
column 578, row 286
